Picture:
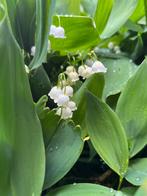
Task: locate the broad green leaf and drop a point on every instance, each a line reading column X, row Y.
column 137, row 171
column 139, row 11
column 118, row 73
column 48, row 118
column 49, row 124
column 138, row 49
column 89, row 7
column 132, row 110
column 142, row 191
column 74, row 7
column 120, row 13
column 39, row 82
column 94, row 84
column 68, row 7
column 102, row 13
column 44, row 11
column 130, row 25
column 22, row 156
column 82, row 189
column 22, row 22
column 63, row 150
column 82, row 34
column 107, row 134
column 41, row 108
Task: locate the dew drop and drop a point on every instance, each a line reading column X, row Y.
column 137, row 179
column 111, row 190
column 56, row 147
column 114, row 71
column 51, row 149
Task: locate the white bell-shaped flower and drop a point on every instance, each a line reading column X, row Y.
column 71, row 105
column 98, row 67
column 73, row 76
column 59, row 33
column 89, row 62
column 61, row 100
column 55, row 92
column 85, row 71
column 69, row 69
column 68, row 90
column 81, row 69
column 110, row 45
column 52, row 30
column 33, row 50
column 66, row 113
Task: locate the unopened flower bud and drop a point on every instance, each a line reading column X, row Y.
column 33, row 50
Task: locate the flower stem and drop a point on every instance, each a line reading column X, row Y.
column 120, row 182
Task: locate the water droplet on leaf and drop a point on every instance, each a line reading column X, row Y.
column 111, row 190
column 137, row 179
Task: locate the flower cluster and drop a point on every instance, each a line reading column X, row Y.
column 61, row 97
column 114, row 48
column 85, row 71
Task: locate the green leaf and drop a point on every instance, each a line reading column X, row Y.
column 49, row 125
column 118, row 73
column 80, row 35
column 142, row 191
column 62, row 152
column 130, row 25
column 82, row 189
column 89, row 7
column 41, row 108
column 102, row 13
column 120, row 13
column 107, row 134
column 139, row 11
column 132, row 110
column 23, row 24
column 39, row 82
column 138, row 49
column 137, row 171
column 22, row 156
column 94, row 84
column 68, row 7
column 128, row 191
column 44, row 11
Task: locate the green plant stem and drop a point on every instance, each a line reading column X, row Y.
column 120, row 182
